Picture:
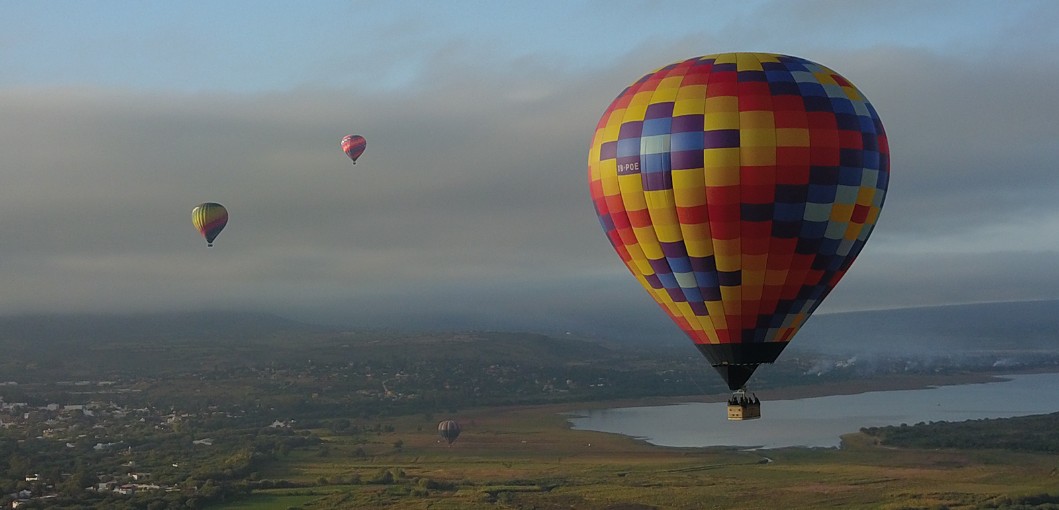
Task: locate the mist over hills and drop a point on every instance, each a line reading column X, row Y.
column 234, row 329
column 155, row 327
column 1016, row 326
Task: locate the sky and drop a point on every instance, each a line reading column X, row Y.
column 470, row 207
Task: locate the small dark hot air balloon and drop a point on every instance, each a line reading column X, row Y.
column 738, row 188
column 209, row 219
column 353, row 146
column 449, row 430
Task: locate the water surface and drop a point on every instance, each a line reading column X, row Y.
column 820, row 421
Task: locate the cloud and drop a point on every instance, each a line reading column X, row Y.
column 463, row 182
column 470, row 206
column 969, row 139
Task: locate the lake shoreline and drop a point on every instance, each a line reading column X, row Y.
column 821, row 415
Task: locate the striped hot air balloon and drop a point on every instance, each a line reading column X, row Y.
column 209, row 219
column 353, row 146
column 449, row 430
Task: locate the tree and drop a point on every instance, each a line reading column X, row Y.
column 77, row 483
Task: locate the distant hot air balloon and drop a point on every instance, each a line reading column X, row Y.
column 738, row 188
column 209, row 219
column 449, row 430
column 353, row 146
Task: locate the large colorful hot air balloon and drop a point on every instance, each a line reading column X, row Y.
column 353, row 146
column 738, row 188
column 209, row 219
column 449, row 430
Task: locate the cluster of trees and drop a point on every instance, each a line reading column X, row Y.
column 1038, row 433
column 1041, row 501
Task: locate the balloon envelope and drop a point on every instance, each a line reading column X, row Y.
column 738, row 188
column 353, row 146
column 449, row 430
column 209, row 219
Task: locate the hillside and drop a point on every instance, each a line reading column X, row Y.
column 71, row 345
column 886, row 342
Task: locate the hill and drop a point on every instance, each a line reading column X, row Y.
column 182, row 341
column 1023, row 325
column 69, row 329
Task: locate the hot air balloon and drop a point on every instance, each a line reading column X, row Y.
column 353, row 146
column 449, row 430
column 738, row 188
column 209, row 219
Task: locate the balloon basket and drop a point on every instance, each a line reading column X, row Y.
column 741, row 407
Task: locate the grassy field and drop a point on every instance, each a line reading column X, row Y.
column 527, row 457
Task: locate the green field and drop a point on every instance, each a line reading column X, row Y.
column 527, row 457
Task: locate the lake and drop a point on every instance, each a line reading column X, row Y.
column 820, row 421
